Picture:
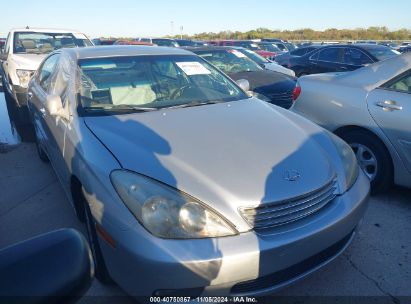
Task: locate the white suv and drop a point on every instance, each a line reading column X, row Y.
column 24, row 51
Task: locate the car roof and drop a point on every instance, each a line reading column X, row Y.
column 45, row 30
column 122, row 50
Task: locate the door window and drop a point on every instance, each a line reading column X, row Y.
column 401, row 85
column 46, row 71
column 356, row 57
column 330, row 55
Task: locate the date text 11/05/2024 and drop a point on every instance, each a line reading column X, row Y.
column 203, row 300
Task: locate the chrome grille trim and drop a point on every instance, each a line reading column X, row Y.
column 284, row 212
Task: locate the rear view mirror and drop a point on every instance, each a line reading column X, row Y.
column 243, row 84
column 56, row 264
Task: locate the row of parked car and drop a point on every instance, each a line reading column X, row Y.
column 191, row 175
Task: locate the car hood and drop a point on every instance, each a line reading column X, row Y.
column 227, row 155
column 28, row 61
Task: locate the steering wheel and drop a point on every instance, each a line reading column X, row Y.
column 180, row 91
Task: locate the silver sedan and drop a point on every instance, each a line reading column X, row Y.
column 187, row 186
column 370, row 108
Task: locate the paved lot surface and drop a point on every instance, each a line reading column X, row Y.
column 378, row 263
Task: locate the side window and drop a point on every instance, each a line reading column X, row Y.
column 356, row 57
column 401, row 85
column 46, row 70
column 298, row 52
column 330, row 55
column 314, row 56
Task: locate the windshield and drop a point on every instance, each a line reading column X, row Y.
column 254, row 56
column 382, row 53
column 290, row 46
column 43, row 43
column 269, row 47
column 165, row 42
column 230, row 61
column 142, row 83
column 247, row 44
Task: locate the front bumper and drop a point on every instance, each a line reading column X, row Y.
column 248, row 264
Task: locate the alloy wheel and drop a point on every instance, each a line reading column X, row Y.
column 366, row 159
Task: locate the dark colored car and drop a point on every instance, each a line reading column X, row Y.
column 272, row 40
column 283, row 59
column 339, row 58
column 273, row 87
column 188, row 43
column 406, row 49
column 132, row 42
column 285, row 46
column 2, row 42
column 98, row 41
column 165, row 42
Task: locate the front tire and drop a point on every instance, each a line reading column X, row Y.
column 100, row 269
column 373, row 158
column 40, row 151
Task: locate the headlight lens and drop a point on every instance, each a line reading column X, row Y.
column 166, row 212
column 349, row 160
column 24, row 77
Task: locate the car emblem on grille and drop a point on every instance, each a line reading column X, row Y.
column 291, row 175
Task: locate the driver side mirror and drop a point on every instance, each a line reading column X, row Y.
column 54, row 267
column 54, row 107
column 244, row 84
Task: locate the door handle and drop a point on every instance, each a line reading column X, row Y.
column 29, row 95
column 389, row 105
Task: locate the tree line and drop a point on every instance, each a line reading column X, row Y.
column 371, row 33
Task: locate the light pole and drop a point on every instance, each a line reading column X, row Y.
column 172, row 28
column 181, row 32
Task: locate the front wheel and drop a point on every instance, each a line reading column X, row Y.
column 100, row 269
column 373, row 158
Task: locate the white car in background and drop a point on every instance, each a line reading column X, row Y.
column 370, row 108
column 24, row 50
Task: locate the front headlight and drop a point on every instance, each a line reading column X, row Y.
column 348, row 158
column 165, row 212
column 24, row 77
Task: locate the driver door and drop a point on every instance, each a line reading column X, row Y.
column 53, row 127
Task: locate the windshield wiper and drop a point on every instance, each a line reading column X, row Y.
column 127, row 108
column 193, row 104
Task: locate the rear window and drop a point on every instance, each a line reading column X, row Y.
column 43, row 43
column 382, row 53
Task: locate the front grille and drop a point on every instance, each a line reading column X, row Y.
column 292, row 272
column 280, row 213
column 284, row 99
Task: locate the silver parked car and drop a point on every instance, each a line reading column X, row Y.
column 186, row 184
column 370, row 108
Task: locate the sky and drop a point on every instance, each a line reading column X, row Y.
column 135, row 18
